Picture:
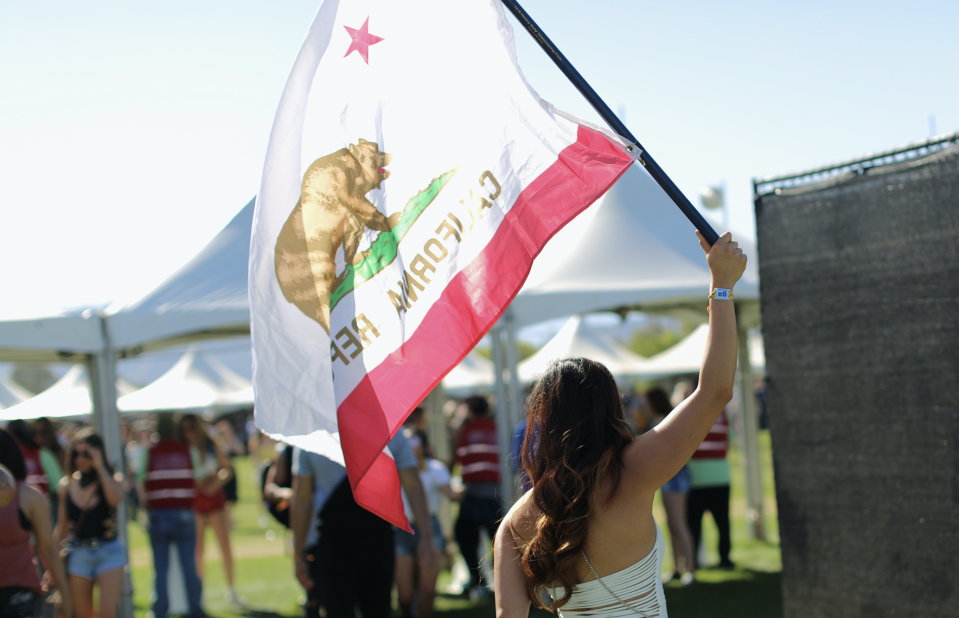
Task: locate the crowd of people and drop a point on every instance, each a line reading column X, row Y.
column 587, row 468
column 347, row 558
column 59, row 501
column 64, row 502
column 179, row 481
column 577, row 447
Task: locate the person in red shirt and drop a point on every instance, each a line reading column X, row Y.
column 36, row 477
column 710, row 488
column 24, row 512
column 170, row 491
column 477, row 451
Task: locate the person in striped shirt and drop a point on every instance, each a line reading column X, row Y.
column 166, row 480
column 710, row 488
column 477, row 451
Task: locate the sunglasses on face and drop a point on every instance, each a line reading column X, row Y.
column 84, row 453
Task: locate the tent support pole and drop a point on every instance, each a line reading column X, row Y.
column 438, row 431
column 502, row 421
column 750, row 455
column 512, row 362
column 103, row 382
column 657, row 173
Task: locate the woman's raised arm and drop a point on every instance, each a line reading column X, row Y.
column 658, row 454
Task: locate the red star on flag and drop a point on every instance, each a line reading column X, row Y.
column 362, row 39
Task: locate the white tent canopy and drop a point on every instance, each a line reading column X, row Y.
column 686, row 356
column 11, row 394
column 206, row 298
column 240, row 398
column 197, row 381
column 69, row 397
column 474, row 374
column 632, row 248
column 576, row 339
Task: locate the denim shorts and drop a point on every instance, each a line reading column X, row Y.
column 407, row 544
column 92, row 562
column 679, row 484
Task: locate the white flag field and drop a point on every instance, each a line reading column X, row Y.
column 411, row 177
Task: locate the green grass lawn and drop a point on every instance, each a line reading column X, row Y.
column 264, row 571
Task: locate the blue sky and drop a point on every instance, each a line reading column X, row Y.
column 130, row 133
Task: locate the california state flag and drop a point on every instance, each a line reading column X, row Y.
column 411, row 177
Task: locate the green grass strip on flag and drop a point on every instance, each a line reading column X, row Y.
column 383, row 250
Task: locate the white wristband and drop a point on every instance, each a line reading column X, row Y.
column 721, row 294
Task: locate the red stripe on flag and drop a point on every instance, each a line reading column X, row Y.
column 469, row 306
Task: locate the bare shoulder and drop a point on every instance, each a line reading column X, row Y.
column 640, row 478
column 520, row 522
column 31, row 497
column 633, row 454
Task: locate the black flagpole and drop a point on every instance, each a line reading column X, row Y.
column 607, row 114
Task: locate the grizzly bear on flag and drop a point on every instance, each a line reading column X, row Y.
column 332, row 212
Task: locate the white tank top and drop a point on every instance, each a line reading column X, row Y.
column 639, row 588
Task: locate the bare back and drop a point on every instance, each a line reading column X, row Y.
column 621, row 533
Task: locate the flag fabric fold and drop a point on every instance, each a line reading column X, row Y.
column 411, row 177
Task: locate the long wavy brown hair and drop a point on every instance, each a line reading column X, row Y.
column 575, row 432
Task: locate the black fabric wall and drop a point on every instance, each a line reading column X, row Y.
column 860, row 313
